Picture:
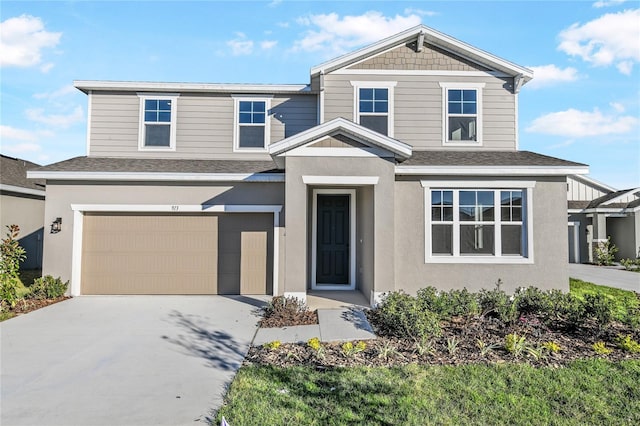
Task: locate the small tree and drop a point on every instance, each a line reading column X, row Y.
column 11, row 254
column 605, row 252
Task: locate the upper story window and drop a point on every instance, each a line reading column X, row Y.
column 478, row 225
column 373, row 106
column 157, row 129
column 251, row 130
column 462, row 105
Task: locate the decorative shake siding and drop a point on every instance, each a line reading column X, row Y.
column 204, row 125
column 406, row 58
column 418, row 116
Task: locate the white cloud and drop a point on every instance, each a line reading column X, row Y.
column 609, row 39
column 617, row 106
column 268, row 44
column 283, row 24
column 332, row 35
column 547, row 75
column 240, row 45
column 421, row 12
column 275, row 3
column 15, row 134
column 62, row 121
column 22, row 40
column 56, row 94
column 606, row 3
column 573, row 123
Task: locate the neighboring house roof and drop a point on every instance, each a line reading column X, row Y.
column 487, row 163
column 578, row 205
column 108, row 168
column 13, row 176
column 612, row 200
column 433, row 37
column 137, row 86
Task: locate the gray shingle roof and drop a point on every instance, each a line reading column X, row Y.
column 578, row 205
column 152, row 165
column 13, row 171
column 485, row 158
column 598, row 202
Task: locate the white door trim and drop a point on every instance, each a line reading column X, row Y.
column 80, row 209
column 352, row 239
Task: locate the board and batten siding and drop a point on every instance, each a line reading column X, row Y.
column 418, row 115
column 204, row 128
column 582, row 191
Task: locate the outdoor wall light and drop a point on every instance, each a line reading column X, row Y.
column 56, row 226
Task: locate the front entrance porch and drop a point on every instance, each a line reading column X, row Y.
column 323, row 299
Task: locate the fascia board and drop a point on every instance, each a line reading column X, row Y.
column 490, row 170
column 159, row 177
column 21, row 190
column 88, row 85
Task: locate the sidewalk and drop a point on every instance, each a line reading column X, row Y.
column 606, row 275
column 344, row 324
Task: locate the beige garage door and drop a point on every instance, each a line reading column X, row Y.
column 177, row 254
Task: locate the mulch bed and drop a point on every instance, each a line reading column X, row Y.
column 289, row 318
column 387, row 351
column 28, row 305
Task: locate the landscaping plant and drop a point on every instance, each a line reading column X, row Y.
column 47, row 287
column 605, row 252
column 11, row 254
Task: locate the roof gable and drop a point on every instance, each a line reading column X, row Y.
column 422, row 34
column 342, row 134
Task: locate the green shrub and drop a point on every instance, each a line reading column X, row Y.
column 448, row 304
column 402, row 315
column 532, row 300
column 11, row 254
column 498, row 304
column 47, row 287
column 601, row 348
column 630, row 264
column 599, row 307
column 626, row 343
column 605, row 252
column 285, row 307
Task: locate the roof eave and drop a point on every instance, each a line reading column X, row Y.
column 157, row 176
column 87, row 86
column 491, row 170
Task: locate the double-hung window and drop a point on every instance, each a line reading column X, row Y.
column 373, row 107
column 462, row 105
column 251, row 131
column 157, row 122
column 478, row 225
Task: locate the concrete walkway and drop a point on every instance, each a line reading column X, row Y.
column 606, row 275
column 124, row 360
column 344, row 324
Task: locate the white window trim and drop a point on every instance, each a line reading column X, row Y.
column 236, row 122
column 390, row 85
column 525, row 186
column 352, row 240
column 173, row 97
column 445, row 115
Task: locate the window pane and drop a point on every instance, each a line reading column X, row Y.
column 505, row 213
column 150, row 116
column 447, row 197
column 164, row 105
column 467, row 198
column 476, row 239
column 436, row 198
column 516, row 213
column 455, row 95
column 469, row 108
column 455, row 108
column 485, row 198
column 258, row 117
column 469, row 95
column 245, row 106
column 245, row 117
column 259, row 107
column 366, row 94
column 157, row 135
column 251, row 137
column 512, row 239
column 462, row 129
column 505, row 198
column 150, row 104
column 441, row 239
column 516, row 198
column 381, row 94
column 381, row 107
column 164, row 117
column 485, row 213
column 447, row 213
column 366, row 106
column 436, row 214
column 376, row 123
column 467, row 213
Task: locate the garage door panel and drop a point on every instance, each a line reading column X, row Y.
column 126, row 253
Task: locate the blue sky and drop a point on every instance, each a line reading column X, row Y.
column 583, row 104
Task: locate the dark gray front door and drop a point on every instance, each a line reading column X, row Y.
column 332, row 265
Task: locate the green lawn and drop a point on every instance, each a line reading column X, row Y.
column 624, row 299
column 586, row 392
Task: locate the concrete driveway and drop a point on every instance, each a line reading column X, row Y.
column 124, row 360
column 606, row 275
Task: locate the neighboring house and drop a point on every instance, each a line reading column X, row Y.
column 22, row 204
column 598, row 211
column 397, row 167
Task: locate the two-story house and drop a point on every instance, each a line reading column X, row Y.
column 396, row 167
